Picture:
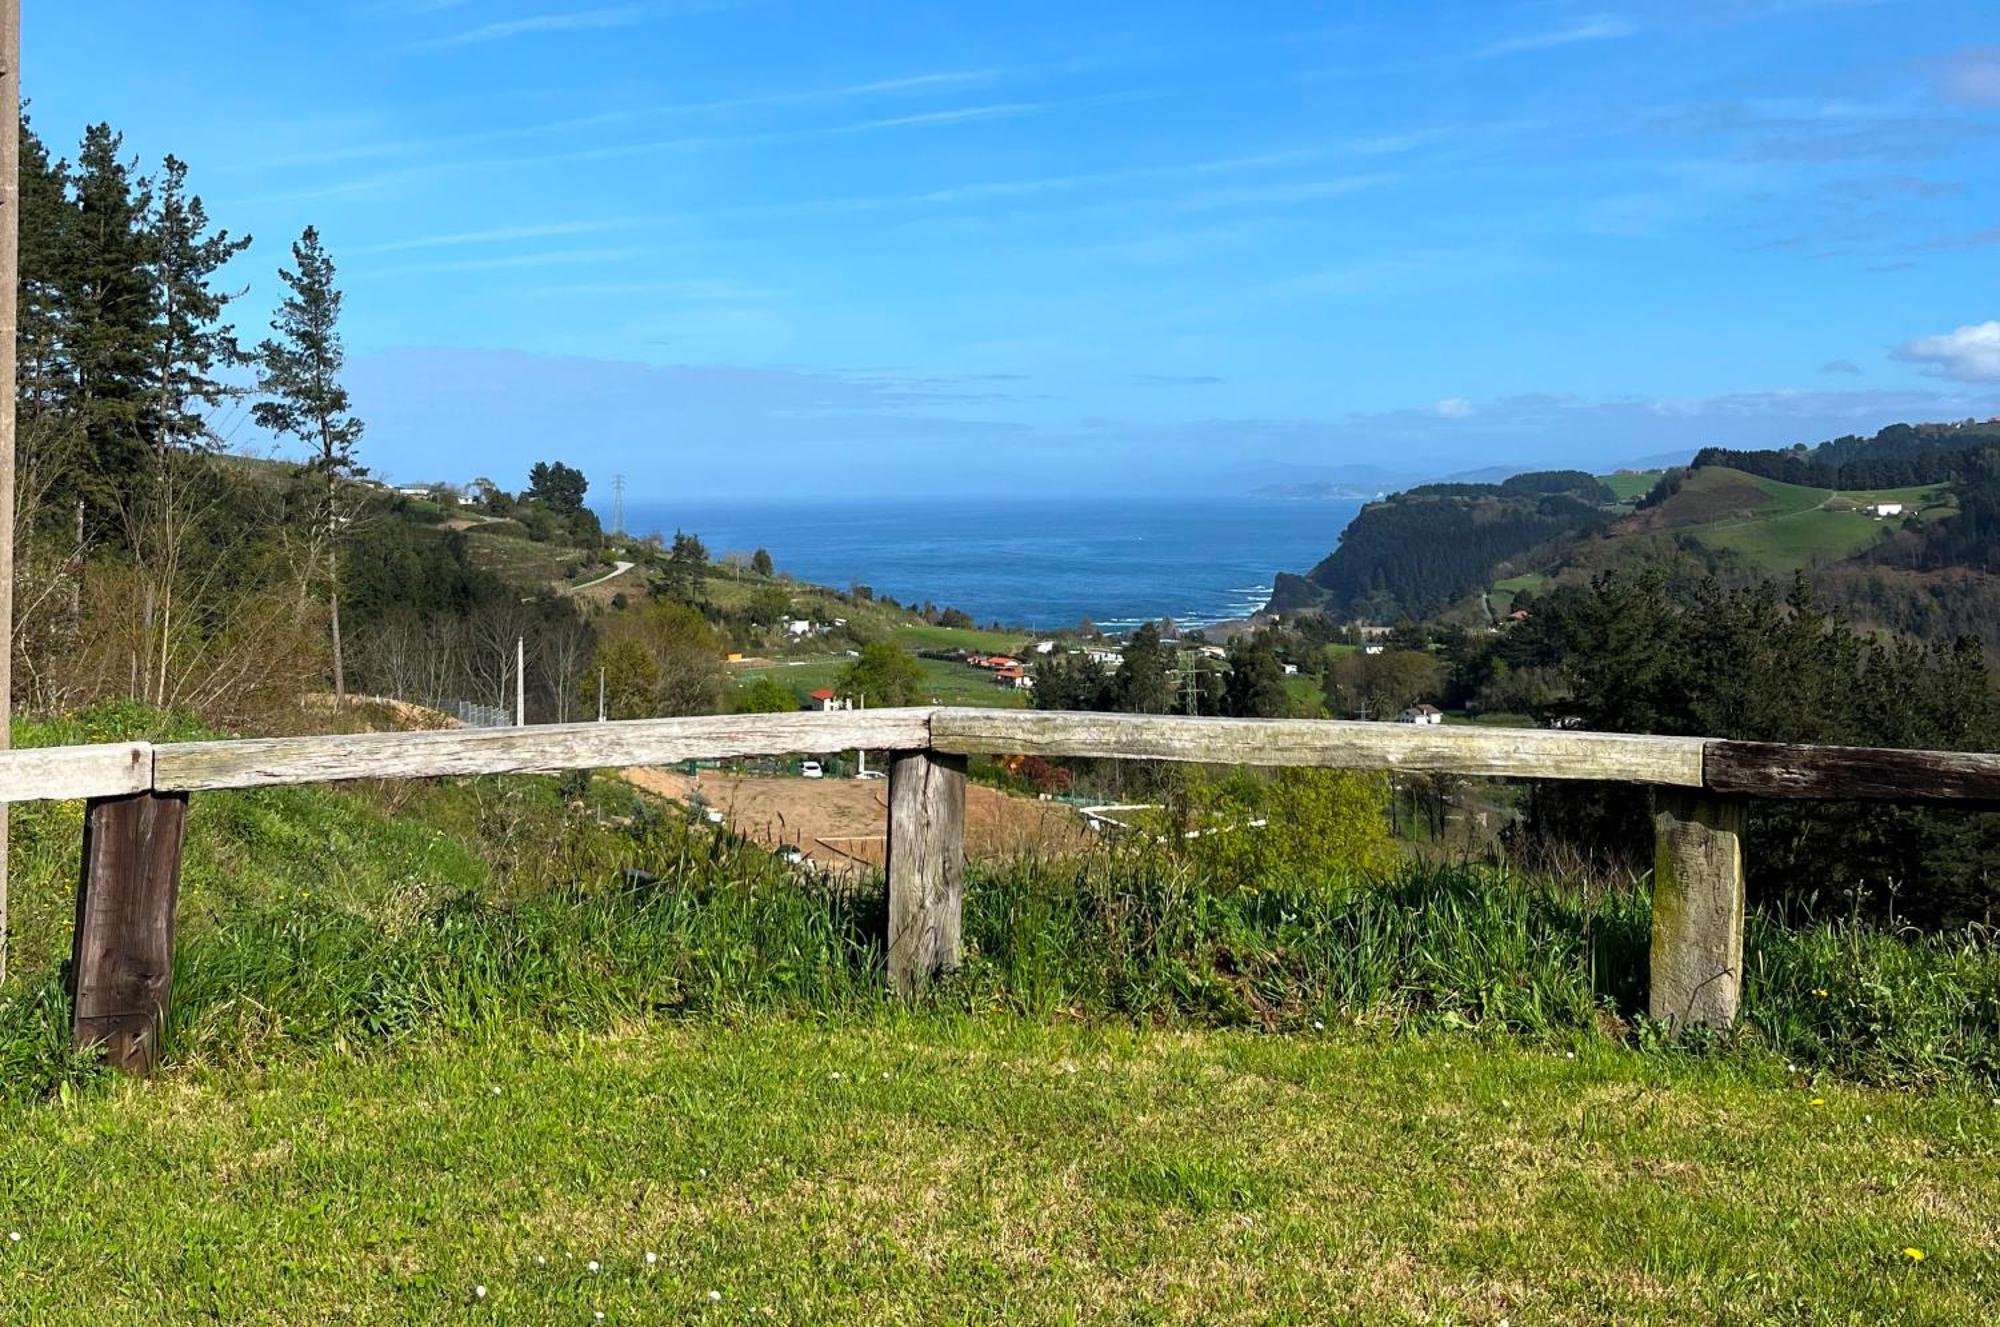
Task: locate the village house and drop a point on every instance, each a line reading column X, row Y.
column 824, row 701
column 1421, row 714
column 1881, row 509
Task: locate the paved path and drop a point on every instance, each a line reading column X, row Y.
column 617, row 569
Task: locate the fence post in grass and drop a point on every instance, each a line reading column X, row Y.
column 926, row 865
column 122, row 955
column 1697, row 908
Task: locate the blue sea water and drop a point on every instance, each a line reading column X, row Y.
column 1034, row 563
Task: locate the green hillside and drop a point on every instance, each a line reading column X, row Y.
column 1776, row 527
column 1630, row 485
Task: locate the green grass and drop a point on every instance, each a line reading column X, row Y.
column 948, row 682
column 1627, row 487
column 1800, row 526
column 936, row 1169
column 1504, row 591
column 923, row 636
column 425, row 1035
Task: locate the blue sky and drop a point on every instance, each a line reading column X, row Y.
column 787, row 248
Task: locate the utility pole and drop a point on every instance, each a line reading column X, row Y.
column 520, row 681
column 618, row 504
column 600, row 695
column 10, row 284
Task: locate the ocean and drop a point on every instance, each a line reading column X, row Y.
column 1033, row 563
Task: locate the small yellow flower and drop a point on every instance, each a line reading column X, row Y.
column 1820, row 991
column 1914, row 1255
column 1819, row 1101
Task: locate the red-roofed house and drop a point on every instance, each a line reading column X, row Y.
column 825, row 701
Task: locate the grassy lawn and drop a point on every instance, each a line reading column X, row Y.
column 928, row 1170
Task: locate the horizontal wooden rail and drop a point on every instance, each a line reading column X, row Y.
column 536, row 749
column 121, row 967
column 58, row 773
column 1529, row 753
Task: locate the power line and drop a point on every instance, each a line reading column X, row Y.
column 618, row 504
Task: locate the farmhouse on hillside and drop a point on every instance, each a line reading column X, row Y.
column 1421, row 714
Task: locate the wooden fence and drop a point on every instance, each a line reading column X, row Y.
column 122, row 960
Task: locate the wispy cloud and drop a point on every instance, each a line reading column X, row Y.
column 1599, row 27
column 498, row 235
column 1972, row 76
column 507, row 262
column 886, row 87
column 579, row 20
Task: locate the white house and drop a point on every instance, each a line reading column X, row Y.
column 1291, row 670
column 1045, row 647
column 1421, row 714
column 798, row 626
column 1108, row 658
column 824, row 701
column 1880, row 509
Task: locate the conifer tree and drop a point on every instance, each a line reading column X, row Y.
column 299, row 377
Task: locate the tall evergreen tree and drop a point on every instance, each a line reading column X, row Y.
column 195, row 343
column 299, row 377
column 111, row 303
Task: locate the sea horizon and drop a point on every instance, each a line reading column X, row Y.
column 1024, row 561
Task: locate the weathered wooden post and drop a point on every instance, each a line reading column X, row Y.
column 1697, row 908
column 926, row 865
column 122, row 956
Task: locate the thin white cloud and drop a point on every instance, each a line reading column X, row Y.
column 885, row 87
column 1454, row 407
column 1599, row 27
column 498, row 235
column 508, row 262
column 1972, row 76
column 1966, row 354
column 580, row 20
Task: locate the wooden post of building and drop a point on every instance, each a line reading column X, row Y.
column 1697, row 908
column 122, row 955
column 926, row 865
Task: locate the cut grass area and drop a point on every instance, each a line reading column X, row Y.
column 1504, row 592
column 1629, row 486
column 930, row 1169
column 949, row 683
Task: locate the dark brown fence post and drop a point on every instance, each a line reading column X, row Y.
column 122, row 957
column 926, row 865
column 1697, row 908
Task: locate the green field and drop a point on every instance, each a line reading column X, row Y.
column 923, row 636
column 1629, row 486
column 1503, row 592
column 1799, row 526
column 925, row 1170
column 950, row 683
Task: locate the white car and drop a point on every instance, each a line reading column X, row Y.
column 811, row 770
column 871, row 774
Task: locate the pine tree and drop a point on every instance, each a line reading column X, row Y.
column 299, row 375
column 195, row 343
column 111, row 303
